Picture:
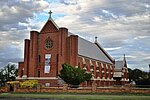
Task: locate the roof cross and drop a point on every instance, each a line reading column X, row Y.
column 50, row 13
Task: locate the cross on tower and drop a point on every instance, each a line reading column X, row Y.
column 50, row 13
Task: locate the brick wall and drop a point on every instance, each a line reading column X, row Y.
column 100, row 70
column 88, row 90
column 33, row 57
column 20, row 67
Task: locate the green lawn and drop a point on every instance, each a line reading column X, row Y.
column 87, row 96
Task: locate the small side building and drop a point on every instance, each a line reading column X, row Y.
column 121, row 72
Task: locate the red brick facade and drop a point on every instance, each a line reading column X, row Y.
column 64, row 50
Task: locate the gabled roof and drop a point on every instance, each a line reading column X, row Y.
column 119, row 64
column 50, row 26
column 91, row 50
column 102, row 49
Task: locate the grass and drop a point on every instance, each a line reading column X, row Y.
column 79, row 96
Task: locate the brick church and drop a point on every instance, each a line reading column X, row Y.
column 47, row 50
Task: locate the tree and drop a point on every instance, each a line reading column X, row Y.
column 140, row 77
column 8, row 73
column 74, row 76
column 135, row 74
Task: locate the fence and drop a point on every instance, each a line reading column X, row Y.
column 94, row 89
column 66, row 88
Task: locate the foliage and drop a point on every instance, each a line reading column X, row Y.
column 29, row 84
column 145, row 82
column 140, row 77
column 74, row 76
column 13, row 82
column 8, row 73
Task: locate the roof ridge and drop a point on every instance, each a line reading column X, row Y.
column 104, row 51
column 54, row 23
column 80, row 37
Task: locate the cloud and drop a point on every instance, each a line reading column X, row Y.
column 11, row 53
column 68, row 2
column 14, row 11
column 117, row 23
column 122, row 26
column 111, row 49
column 16, row 21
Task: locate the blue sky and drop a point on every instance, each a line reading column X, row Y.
column 122, row 26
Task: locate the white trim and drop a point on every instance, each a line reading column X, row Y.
column 85, row 68
column 76, row 66
column 103, row 71
column 102, row 65
column 38, row 78
column 97, row 64
column 95, row 59
column 91, row 64
column 97, row 70
column 93, row 74
column 42, row 78
column 127, row 71
column 98, row 79
column 106, row 66
column 83, row 60
column 24, row 76
column 123, row 79
column 91, row 69
column 107, row 79
column 112, row 79
column 92, row 78
column 103, row 78
column 110, row 67
column 123, row 70
column 17, row 77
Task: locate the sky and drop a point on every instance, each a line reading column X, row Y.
column 122, row 26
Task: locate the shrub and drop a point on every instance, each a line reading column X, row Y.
column 74, row 76
column 29, row 84
column 145, row 83
column 13, row 82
